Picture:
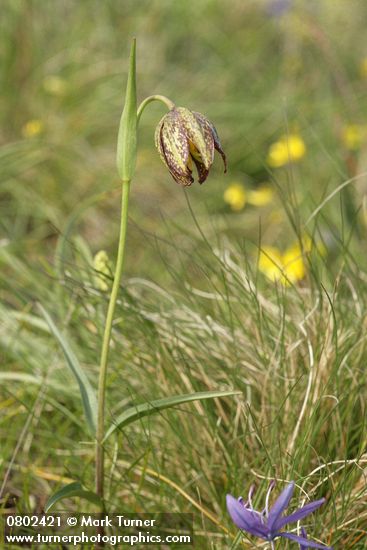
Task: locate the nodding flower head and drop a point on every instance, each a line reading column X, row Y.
column 184, row 137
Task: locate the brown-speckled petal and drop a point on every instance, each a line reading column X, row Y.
column 205, row 122
column 158, row 141
column 175, row 147
column 180, row 171
column 198, row 135
column 202, row 171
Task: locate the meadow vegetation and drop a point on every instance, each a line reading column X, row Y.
column 255, row 281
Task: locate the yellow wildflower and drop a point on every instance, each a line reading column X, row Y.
column 287, row 267
column 102, row 266
column 287, row 149
column 235, row 196
column 271, row 262
column 353, row 136
column 54, row 85
column 293, row 265
column 32, row 128
column 260, row 196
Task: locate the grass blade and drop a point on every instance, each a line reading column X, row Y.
column 237, row 541
column 74, row 489
column 150, row 407
column 86, row 391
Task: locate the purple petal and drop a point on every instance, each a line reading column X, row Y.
column 299, row 514
column 280, row 505
column 304, row 535
column 245, row 519
column 307, row 543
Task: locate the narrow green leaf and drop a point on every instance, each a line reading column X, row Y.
column 144, row 409
column 127, row 136
column 37, row 380
column 237, row 541
column 29, row 319
column 21, row 377
column 74, row 489
column 86, row 391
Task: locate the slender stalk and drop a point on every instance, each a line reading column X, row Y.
column 151, row 98
column 99, row 464
column 106, row 342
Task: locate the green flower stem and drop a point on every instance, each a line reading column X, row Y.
column 107, row 340
column 116, row 285
column 151, row 98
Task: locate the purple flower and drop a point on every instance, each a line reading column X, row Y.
column 302, row 545
column 268, row 523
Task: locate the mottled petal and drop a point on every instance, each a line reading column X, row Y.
column 173, row 148
column 202, row 171
column 205, row 122
column 174, row 141
column 245, row 519
column 185, row 181
column 280, row 505
column 307, row 543
column 299, row 514
column 199, row 136
column 218, row 147
column 158, row 141
column 207, row 131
